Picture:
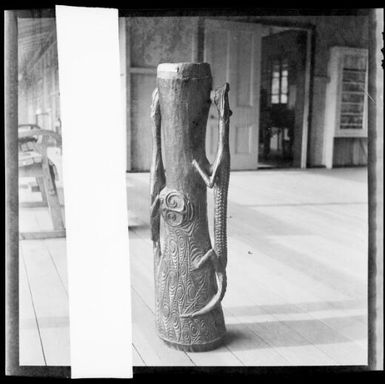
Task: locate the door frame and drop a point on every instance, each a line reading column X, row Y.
column 234, row 25
column 310, row 49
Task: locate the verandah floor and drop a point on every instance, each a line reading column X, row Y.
column 297, row 275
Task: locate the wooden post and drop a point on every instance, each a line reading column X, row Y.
column 190, row 276
column 51, row 193
column 128, row 85
column 306, row 107
column 375, row 178
column 11, row 192
column 40, row 182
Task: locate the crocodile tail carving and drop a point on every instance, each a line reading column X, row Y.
column 157, row 174
column 221, row 278
column 219, row 179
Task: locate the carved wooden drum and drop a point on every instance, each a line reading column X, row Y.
column 190, row 270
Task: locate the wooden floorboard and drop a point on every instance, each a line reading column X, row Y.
column 297, row 275
column 291, row 284
column 57, row 250
column 137, row 360
column 51, row 303
column 35, row 217
column 31, row 348
column 28, row 221
column 152, row 350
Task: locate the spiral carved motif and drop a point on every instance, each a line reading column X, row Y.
column 176, row 209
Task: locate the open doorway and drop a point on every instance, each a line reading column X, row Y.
column 282, row 97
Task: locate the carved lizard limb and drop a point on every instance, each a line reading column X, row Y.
column 219, row 180
column 157, row 176
column 220, row 273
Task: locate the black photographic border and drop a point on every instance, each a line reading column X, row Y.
column 375, row 283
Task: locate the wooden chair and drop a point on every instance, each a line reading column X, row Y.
column 34, row 162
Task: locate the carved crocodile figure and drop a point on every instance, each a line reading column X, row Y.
column 217, row 177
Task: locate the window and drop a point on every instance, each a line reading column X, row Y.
column 279, row 81
column 346, row 107
column 353, row 92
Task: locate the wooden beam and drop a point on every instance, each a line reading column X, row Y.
column 201, row 40
column 128, row 93
column 143, row 71
column 123, row 78
column 32, row 13
column 306, row 107
column 28, row 39
column 42, row 235
column 45, row 44
column 195, row 40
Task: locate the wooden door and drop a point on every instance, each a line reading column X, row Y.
column 284, row 56
column 234, row 52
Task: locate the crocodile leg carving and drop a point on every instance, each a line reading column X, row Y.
column 219, row 180
column 157, row 175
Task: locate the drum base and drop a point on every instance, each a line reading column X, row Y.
column 196, row 347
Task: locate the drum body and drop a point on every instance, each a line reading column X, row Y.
column 180, row 286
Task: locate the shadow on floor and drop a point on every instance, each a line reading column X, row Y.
column 289, row 333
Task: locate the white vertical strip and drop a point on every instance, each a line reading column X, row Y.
column 94, row 164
